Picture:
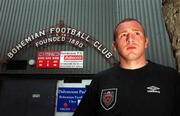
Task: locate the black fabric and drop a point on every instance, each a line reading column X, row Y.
column 133, row 98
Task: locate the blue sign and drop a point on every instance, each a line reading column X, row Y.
column 69, row 98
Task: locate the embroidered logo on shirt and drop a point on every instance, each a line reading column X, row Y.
column 153, row 89
column 108, row 98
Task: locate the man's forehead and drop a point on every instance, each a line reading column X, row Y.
column 129, row 24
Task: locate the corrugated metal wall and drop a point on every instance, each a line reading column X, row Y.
column 20, row 18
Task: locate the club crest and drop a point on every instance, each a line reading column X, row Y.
column 108, row 98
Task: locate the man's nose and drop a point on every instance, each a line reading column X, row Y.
column 130, row 38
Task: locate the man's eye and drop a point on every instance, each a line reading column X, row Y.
column 137, row 33
column 123, row 35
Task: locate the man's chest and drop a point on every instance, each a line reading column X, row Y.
column 136, row 95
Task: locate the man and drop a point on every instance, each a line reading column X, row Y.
column 134, row 87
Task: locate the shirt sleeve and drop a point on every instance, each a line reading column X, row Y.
column 88, row 104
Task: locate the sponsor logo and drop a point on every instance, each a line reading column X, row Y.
column 73, row 57
column 153, row 89
column 108, row 98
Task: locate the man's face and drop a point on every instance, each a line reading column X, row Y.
column 130, row 41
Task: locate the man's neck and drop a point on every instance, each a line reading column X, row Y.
column 133, row 64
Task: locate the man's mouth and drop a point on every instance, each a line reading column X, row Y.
column 131, row 47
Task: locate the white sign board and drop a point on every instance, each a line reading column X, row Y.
column 71, row 59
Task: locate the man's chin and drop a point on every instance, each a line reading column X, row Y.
column 131, row 56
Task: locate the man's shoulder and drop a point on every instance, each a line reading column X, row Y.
column 108, row 72
column 162, row 68
column 106, row 75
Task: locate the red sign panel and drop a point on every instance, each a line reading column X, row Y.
column 48, row 60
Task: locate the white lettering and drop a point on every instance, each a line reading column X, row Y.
column 87, row 38
column 27, row 40
column 41, row 33
column 68, row 29
column 50, row 40
column 23, row 43
column 82, row 36
column 52, row 30
column 36, row 35
column 108, row 55
column 96, row 43
column 14, row 50
column 99, row 47
column 63, row 30
column 73, row 32
column 69, row 92
column 32, row 36
column 18, row 46
column 41, row 42
column 63, row 38
column 104, row 51
column 80, row 45
column 10, row 55
column 82, row 92
column 36, row 44
column 78, row 34
column 58, row 30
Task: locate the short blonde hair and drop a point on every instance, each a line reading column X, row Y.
column 127, row 20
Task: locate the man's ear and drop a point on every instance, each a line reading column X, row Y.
column 113, row 46
column 146, row 42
